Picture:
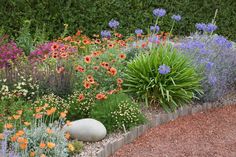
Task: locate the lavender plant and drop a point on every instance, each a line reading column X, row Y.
column 214, row 57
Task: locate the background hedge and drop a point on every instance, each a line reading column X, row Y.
column 93, row 15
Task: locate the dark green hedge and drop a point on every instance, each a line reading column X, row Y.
column 93, row 15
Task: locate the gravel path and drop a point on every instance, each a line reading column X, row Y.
column 208, row 134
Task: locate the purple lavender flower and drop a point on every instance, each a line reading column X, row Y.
column 176, row 17
column 138, row 31
column 210, row 28
column 113, row 24
column 105, row 34
column 164, row 69
column 201, row 26
column 212, row 80
column 209, row 65
column 159, row 12
column 154, row 29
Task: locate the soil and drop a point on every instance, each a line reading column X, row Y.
column 205, row 134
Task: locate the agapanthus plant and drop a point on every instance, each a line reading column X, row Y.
column 218, row 59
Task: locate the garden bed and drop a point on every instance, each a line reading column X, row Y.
column 114, row 141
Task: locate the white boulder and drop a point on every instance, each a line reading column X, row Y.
column 88, row 130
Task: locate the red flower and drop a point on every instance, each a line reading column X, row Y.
column 54, row 46
column 79, row 68
column 87, row 84
column 81, row 97
column 78, row 33
column 64, row 55
column 90, row 79
column 86, row 41
column 110, row 45
column 113, row 71
column 105, row 65
column 119, row 81
column 122, row 56
column 97, row 41
column 101, row 96
column 87, row 59
column 60, row 70
column 96, row 67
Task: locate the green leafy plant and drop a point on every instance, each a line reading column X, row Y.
column 118, row 112
column 75, row 147
column 80, row 105
column 163, row 75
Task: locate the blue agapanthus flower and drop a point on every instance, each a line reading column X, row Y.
column 176, row 17
column 201, row 26
column 153, row 39
column 222, row 41
column 113, row 24
column 154, row 29
column 159, row 12
column 138, row 31
column 164, row 69
column 210, row 28
column 209, row 65
column 105, row 34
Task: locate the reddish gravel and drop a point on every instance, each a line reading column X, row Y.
column 209, row 134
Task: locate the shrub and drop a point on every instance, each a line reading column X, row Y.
column 217, row 57
column 163, row 75
column 36, row 138
column 80, row 105
column 118, row 112
column 87, row 15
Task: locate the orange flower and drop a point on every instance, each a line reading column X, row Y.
column 51, row 145
column 122, row 56
column 45, row 105
column 97, row 41
column 62, row 115
column 1, row 136
column 81, row 97
column 38, row 109
column 64, row 55
column 111, row 91
column 49, row 131
column 60, row 70
column 90, row 79
column 119, row 80
column 110, row 45
column 23, row 146
column 87, row 84
column 20, row 133
column 86, row 41
column 96, row 67
column 42, row 145
column 79, row 68
column 105, row 65
column 19, row 112
column 78, row 33
column 32, row 154
column 67, row 135
column 51, row 111
column 26, row 123
column 113, row 71
column 8, row 126
column 87, row 59
column 101, row 96
column 67, row 38
column 42, row 155
column 13, row 138
column 54, row 46
column 38, row 116
column 16, row 117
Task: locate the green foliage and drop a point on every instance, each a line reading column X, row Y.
column 171, row 90
column 75, row 147
column 118, row 112
column 80, row 105
column 93, row 16
column 9, row 106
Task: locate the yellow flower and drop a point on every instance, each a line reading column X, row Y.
column 51, row 145
column 71, row 148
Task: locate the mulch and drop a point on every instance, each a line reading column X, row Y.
column 205, row 134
